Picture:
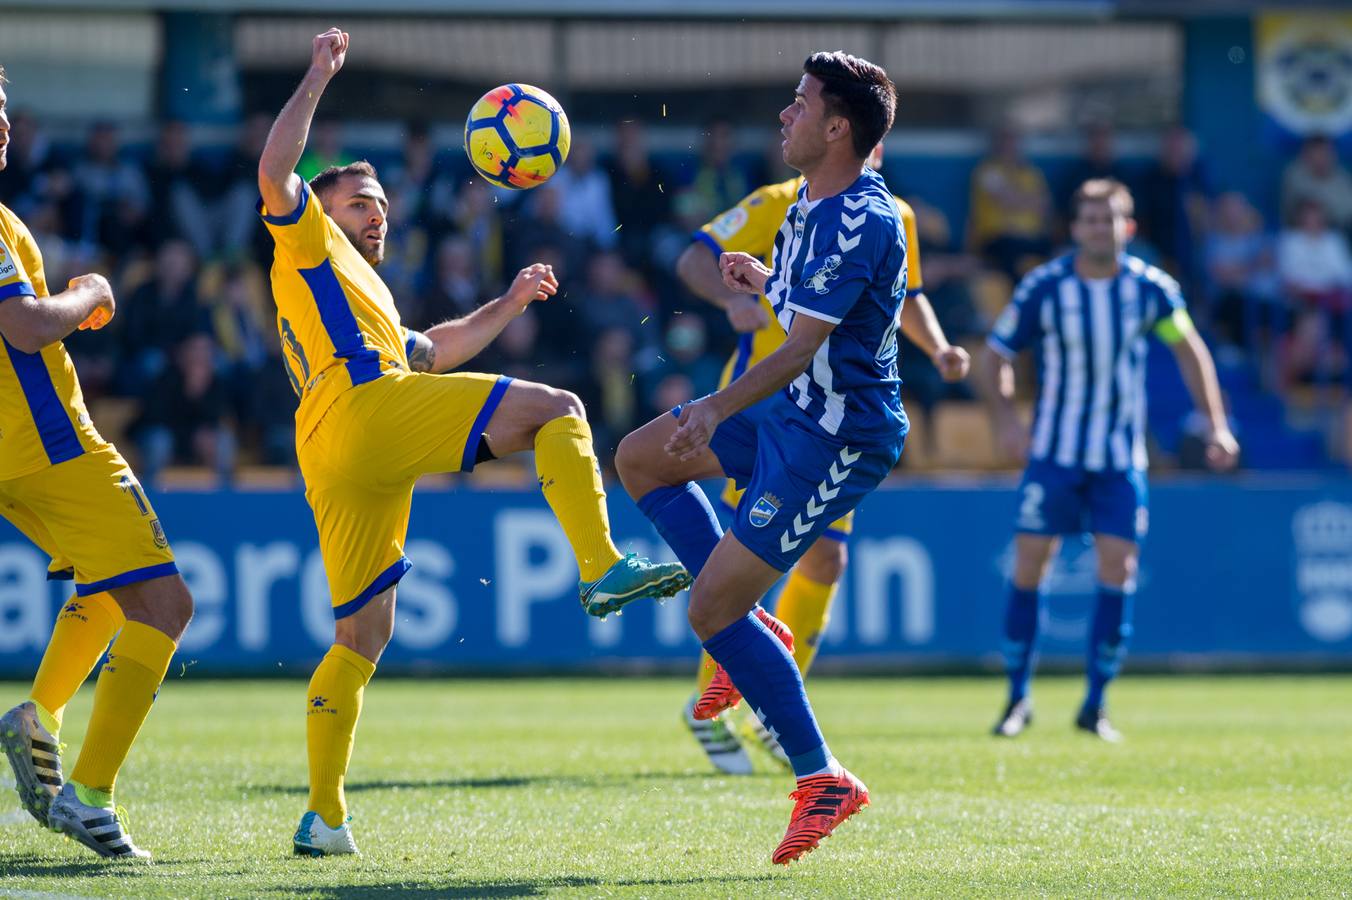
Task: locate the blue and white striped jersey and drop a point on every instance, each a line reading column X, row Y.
column 843, row 259
column 1090, row 341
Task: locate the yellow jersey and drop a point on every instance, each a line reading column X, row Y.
column 750, row 227
column 337, row 319
column 990, row 219
column 43, row 419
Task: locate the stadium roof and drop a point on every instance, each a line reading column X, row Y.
column 712, row 9
column 757, row 9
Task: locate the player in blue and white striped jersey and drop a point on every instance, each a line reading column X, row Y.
column 809, row 431
column 1087, row 316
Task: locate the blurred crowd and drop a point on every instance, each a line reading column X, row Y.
column 189, row 373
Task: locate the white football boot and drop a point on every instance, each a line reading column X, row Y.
column 314, row 838
column 718, row 742
column 100, row 828
column 35, row 755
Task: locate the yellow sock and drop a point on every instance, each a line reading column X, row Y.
column 705, row 673
column 805, row 606
column 84, row 626
column 332, row 707
column 571, row 482
column 127, row 685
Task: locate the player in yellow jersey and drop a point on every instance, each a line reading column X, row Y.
column 373, row 418
column 805, row 601
column 74, row 496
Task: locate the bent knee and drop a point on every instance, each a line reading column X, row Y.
column 627, row 454
column 172, row 611
column 564, row 403
column 700, row 614
column 702, row 608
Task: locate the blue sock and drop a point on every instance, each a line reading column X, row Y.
column 766, row 675
column 1021, row 624
column 1108, row 637
column 686, row 521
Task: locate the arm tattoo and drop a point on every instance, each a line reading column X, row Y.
column 422, row 353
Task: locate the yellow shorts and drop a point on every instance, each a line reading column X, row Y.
column 839, row 531
column 361, row 461
column 91, row 517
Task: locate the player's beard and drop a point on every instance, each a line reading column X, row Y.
column 374, row 256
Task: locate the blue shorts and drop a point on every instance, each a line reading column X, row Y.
column 797, row 480
column 1061, row 500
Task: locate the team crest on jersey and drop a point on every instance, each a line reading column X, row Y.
column 799, row 222
column 763, row 510
column 157, row 532
column 822, row 278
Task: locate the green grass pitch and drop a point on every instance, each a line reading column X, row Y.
column 591, row 788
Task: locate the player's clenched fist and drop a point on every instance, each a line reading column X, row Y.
column 697, row 424
column 97, row 285
column 952, row 362
column 328, row 52
column 535, row 282
column 743, row 273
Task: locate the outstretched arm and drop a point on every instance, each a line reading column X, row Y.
column 30, row 323
column 277, row 179
column 921, row 327
column 448, row 345
column 1199, row 374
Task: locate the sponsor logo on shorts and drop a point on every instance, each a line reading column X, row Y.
column 763, row 510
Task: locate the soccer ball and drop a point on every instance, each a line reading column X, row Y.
column 517, row 136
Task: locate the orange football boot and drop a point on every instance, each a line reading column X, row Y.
column 722, row 694
column 822, row 802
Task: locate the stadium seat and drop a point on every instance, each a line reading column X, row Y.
column 962, row 437
column 991, row 291
column 113, row 416
column 266, row 478
column 188, row 478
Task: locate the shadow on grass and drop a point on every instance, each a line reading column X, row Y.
column 18, row 865
column 503, row 781
column 523, row 888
